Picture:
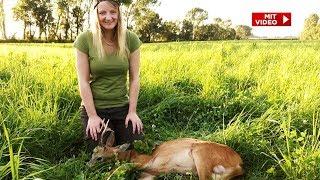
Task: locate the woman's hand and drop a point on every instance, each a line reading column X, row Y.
column 95, row 124
column 136, row 122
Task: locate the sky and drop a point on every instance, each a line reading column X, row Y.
column 239, row 11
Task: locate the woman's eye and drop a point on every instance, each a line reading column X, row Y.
column 102, row 13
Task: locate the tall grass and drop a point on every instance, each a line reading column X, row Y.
column 300, row 157
column 259, row 97
column 14, row 159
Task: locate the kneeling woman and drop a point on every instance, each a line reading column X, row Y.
column 105, row 55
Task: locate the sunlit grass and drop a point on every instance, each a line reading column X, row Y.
column 259, row 97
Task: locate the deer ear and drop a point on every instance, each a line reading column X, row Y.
column 123, row 147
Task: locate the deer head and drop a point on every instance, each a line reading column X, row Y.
column 104, row 151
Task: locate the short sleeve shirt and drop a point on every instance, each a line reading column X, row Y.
column 108, row 75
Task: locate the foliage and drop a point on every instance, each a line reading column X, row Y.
column 39, row 13
column 311, row 29
column 139, row 16
column 196, row 16
column 243, row 32
column 170, row 31
column 149, row 26
column 78, row 15
column 42, row 14
column 136, row 10
column 23, row 12
column 213, row 32
column 300, row 158
column 186, row 32
column 66, row 10
column 123, row 2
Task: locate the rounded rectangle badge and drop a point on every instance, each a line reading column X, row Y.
column 271, row 19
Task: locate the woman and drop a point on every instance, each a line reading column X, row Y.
column 104, row 56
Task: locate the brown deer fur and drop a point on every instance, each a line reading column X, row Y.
column 207, row 159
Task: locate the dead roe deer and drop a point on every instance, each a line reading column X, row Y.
column 208, row 159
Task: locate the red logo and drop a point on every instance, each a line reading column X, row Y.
column 271, row 19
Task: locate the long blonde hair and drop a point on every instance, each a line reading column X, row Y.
column 119, row 36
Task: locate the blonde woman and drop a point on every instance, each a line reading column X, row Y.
column 105, row 54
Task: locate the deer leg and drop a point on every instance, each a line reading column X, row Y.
column 202, row 165
column 234, row 173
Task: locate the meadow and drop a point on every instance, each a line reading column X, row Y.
column 262, row 98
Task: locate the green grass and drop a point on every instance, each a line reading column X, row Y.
column 259, row 97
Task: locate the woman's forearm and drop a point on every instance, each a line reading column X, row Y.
column 83, row 72
column 134, row 88
column 87, row 99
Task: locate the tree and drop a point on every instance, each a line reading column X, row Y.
column 23, row 12
column 202, row 33
column 243, row 32
column 208, row 32
column 311, row 21
column 311, row 29
column 169, row 31
column 229, row 34
column 186, row 32
column 135, row 9
column 149, row 26
column 218, row 21
column 78, row 14
column 2, row 21
column 64, row 15
column 38, row 12
column 219, row 30
column 87, row 7
column 224, row 24
column 225, row 32
column 42, row 14
column 196, row 16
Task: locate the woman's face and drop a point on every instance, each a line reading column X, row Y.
column 108, row 15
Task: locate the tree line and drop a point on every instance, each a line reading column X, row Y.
column 52, row 20
column 63, row 20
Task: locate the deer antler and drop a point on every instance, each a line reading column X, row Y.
column 110, row 140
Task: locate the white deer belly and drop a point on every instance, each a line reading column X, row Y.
column 180, row 161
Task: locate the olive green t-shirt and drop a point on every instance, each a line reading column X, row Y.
column 108, row 75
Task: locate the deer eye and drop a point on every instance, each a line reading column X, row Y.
column 99, row 159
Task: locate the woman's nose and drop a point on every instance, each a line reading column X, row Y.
column 108, row 18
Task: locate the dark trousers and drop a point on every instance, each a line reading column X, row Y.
column 116, row 116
